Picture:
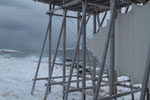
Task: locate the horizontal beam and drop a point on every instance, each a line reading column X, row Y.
column 99, row 5
column 46, row 78
column 57, row 83
column 74, row 2
column 86, row 88
column 125, row 1
column 118, row 81
column 76, row 5
column 127, row 86
column 113, row 96
column 142, row 1
column 59, row 15
column 119, row 95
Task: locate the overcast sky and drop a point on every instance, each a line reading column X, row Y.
column 23, row 25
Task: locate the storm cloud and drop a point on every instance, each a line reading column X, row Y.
column 23, row 25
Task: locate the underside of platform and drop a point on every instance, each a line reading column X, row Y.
column 94, row 6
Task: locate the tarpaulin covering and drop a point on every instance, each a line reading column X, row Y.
column 132, row 38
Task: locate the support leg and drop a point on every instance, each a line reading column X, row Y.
column 146, row 76
column 64, row 55
column 104, row 58
column 112, row 51
column 94, row 58
column 52, row 67
column 84, row 54
column 132, row 95
column 74, row 57
column 78, row 53
column 91, row 72
column 102, row 21
column 39, row 62
column 50, row 42
column 147, row 94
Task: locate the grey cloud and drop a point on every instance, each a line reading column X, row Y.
column 23, row 25
column 15, row 3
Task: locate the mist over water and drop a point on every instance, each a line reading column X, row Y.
column 34, row 55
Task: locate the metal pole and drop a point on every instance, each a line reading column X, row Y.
column 74, row 57
column 84, row 53
column 104, row 58
column 39, row 62
column 146, row 76
column 51, row 70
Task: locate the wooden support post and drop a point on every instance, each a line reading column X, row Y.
column 146, row 76
column 127, row 9
column 97, row 16
column 50, row 41
column 64, row 54
column 52, row 67
column 83, row 53
column 94, row 58
column 104, row 57
column 88, row 19
column 112, row 49
column 76, row 50
column 98, row 20
column 132, row 95
column 102, row 21
column 147, row 94
column 39, row 62
column 90, row 69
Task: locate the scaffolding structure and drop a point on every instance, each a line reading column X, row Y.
column 85, row 9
